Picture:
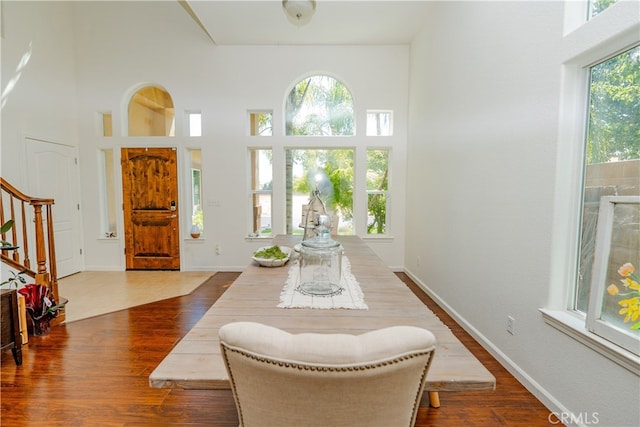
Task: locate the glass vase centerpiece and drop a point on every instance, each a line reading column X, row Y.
column 320, row 261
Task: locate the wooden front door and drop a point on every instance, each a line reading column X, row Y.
column 150, row 195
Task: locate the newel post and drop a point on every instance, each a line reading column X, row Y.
column 42, row 276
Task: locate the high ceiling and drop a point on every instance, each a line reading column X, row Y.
column 335, row 22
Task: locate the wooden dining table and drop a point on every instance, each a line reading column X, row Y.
column 196, row 362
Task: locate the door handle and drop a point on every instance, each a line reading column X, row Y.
column 172, row 216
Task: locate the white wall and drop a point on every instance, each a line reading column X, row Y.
column 42, row 104
column 483, row 135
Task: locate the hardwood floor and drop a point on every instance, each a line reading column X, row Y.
column 94, row 372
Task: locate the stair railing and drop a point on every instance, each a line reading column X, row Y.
column 14, row 205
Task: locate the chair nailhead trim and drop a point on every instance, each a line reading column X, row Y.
column 304, row 367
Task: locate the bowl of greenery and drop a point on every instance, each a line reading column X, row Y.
column 272, row 256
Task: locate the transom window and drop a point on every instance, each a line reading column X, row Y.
column 597, row 6
column 194, row 123
column 260, row 123
column 319, row 105
column 151, row 113
column 106, row 123
column 379, row 123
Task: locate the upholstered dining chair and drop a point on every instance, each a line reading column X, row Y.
column 314, row 379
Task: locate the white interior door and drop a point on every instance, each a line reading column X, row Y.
column 53, row 173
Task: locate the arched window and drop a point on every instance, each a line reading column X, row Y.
column 319, row 105
column 151, row 113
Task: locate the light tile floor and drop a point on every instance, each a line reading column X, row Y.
column 93, row 293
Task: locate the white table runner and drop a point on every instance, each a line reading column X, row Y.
column 350, row 296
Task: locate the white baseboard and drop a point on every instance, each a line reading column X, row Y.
column 547, row 399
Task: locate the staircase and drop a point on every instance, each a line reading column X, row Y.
column 31, row 236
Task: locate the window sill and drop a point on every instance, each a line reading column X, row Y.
column 258, row 238
column 192, row 240
column 573, row 326
column 378, row 237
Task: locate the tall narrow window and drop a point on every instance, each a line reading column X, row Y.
column 331, row 172
column 612, row 177
column 107, row 194
column 194, row 121
column 377, row 189
column 379, row 123
column 261, row 171
column 319, row 105
column 197, row 214
column 260, row 123
column 151, row 113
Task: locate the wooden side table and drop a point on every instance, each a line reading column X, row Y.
column 9, row 324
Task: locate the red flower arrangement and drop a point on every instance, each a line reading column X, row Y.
column 41, row 307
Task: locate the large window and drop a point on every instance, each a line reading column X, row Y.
column 598, row 165
column 331, row 172
column 319, row 105
column 607, row 292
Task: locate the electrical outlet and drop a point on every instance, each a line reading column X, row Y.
column 217, row 249
column 418, row 261
column 511, row 324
